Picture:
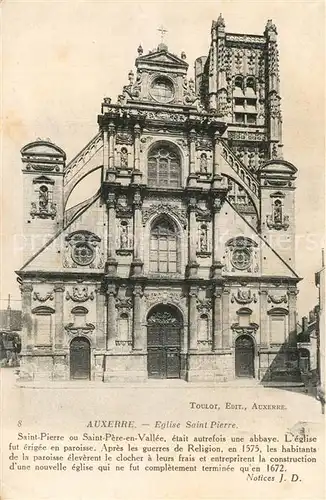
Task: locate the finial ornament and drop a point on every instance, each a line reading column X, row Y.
column 220, row 21
column 140, row 50
column 270, row 26
column 183, row 55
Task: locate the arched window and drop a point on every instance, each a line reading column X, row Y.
column 164, row 167
column 163, row 247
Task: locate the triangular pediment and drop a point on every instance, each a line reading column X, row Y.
column 162, row 57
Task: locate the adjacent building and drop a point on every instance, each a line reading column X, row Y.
column 182, row 264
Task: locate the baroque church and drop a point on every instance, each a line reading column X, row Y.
column 181, row 266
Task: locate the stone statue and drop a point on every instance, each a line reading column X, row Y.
column 124, row 158
column 124, row 236
column 43, row 198
column 203, row 162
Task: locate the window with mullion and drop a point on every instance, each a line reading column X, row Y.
column 164, row 168
column 163, row 248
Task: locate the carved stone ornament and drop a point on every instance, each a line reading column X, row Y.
column 277, row 299
column 283, row 223
column 43, row 298
column 204, row 305
column 123, row 303
column 204, row 144
column 241, row 255
column 42, row 167
column 80, row 294
column 163, row 297
column 80, row 330
column 123, row 209
column 43, row 213
column 83, row 249
column 165, row 208
column 243, row 297
column 125, row 138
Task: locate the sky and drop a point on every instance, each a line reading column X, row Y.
column 59, row 59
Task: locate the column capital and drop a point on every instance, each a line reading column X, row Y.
column 26, row 287
column 111, row 290
column 111, row 200
column 193, row 291
column 218, row 290
column 137, row 130
column 138, row 291
column 192, row 135
column 192, row 204
column 137, row 199
column 59, row 287
column 111, row 128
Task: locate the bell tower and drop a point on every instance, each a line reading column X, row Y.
column 43, row 171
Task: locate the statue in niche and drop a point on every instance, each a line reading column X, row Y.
column 203, row 163
column 277, row 212
column 43, row 199
column 124, row 158
column 124, row 235
column 203, row 239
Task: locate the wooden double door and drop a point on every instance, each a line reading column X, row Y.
column 163, row 344
column 244, row 357
column 80, row 359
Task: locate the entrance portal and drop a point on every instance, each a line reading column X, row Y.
column 244, row 357
column 80, row 362
column 163, row 342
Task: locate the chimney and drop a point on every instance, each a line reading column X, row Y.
column 304, row 323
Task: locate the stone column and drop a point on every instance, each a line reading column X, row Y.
column 193, row 327
column 100, row 312
column 137, row 147
column 105, row 150
column 216, row 264
column 226, row 319
column 136, row 174
column 111, row 136
column 264, row 320
column 59, row 331
column 217, row 156
column 292, row 301
column 27, row 336
column 137, row 264
column 192, row 158
column 111, row 317
column 192, row 238
column 111, row 266
column 217, row 319
column 138, row 337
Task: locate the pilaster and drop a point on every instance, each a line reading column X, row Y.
column 193, row 327
column 137, row 264
column 139, row 342
column 226, row 318
column 58, row 331
column 100, row 324
column 264, row 324
column 111, row 316
column 292, row 303
column 26, row 292
column 217, row 318
column 192, row 178
column 111, row 266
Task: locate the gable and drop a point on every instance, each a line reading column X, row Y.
column 162, row 57
column 265, row 261
column 80, row 247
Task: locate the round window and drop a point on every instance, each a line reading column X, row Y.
column 162, row 90
column 83, row 254
column 241, row 258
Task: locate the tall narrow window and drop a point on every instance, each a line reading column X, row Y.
column 164, row 167
column 163, row 247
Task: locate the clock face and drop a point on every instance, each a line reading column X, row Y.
column 162, row 90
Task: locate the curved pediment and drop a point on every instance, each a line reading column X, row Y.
column 278, row 167
column 42, row 148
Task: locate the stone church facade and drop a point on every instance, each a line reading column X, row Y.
column 174, row 268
